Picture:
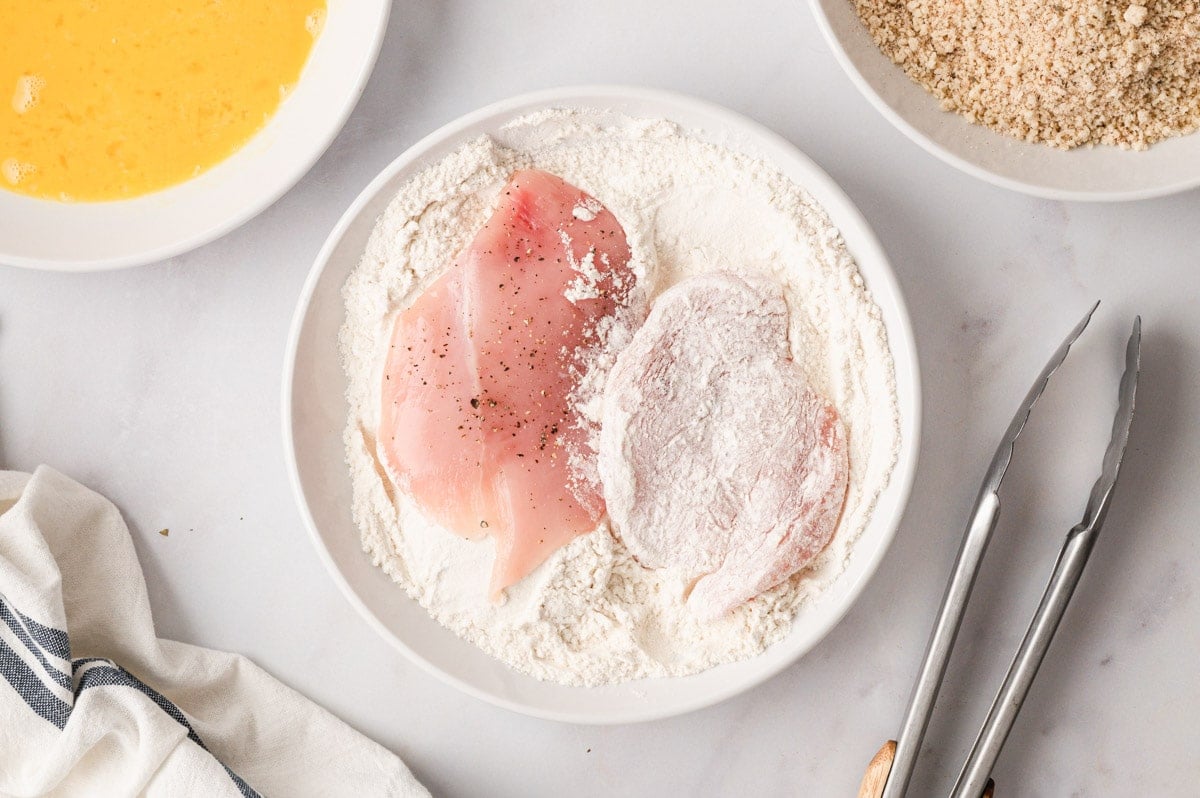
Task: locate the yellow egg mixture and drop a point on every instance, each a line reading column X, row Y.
column 117, row 98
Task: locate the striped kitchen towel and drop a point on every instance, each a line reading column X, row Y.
column 93, row 704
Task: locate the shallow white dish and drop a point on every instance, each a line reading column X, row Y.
column 1101, row 174
column 43, row 234
column 314, row 414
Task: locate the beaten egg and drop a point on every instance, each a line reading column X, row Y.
column 112, row 99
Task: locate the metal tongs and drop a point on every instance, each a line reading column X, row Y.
column 890, row 771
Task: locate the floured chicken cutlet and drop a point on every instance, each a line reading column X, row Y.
column 476, row 422
column 716, row 455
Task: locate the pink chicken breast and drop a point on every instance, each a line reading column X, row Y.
column 476, row 419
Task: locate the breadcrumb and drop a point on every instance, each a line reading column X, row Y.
column 1067, row 73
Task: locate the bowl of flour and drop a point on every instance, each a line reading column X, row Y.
column 1069, row 101
column 592, row 636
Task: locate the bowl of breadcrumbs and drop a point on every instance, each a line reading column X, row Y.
column 1066, row 99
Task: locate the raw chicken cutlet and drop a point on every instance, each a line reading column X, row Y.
column 716, row 455
column 476, row 419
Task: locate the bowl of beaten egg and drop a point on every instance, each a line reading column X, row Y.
column 133, row 131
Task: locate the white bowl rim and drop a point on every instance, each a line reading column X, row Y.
column 933, row 148
column 903, row 474
column 268, row 198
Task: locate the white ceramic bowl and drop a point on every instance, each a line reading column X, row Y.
column 1098, row 174
column 314, row 414
column 43, row 234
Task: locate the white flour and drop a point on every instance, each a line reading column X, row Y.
column 591, row 614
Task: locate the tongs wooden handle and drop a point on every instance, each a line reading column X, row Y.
column 890, row 771
column 877, row 774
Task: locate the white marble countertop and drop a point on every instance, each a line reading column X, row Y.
column 159, row 387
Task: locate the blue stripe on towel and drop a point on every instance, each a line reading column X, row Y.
column 52, row 640
column 18, row 628
column 31, row 688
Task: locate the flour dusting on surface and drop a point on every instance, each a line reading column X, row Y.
column 592, row 614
